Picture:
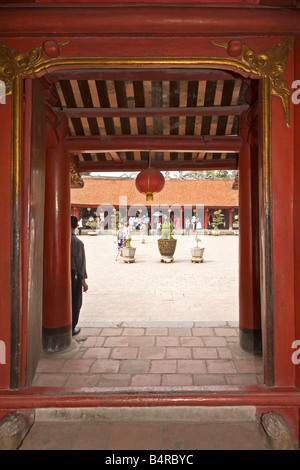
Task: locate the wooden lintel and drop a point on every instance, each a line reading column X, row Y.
column 145, row 74
column 152, row 112
column 170, row 165
column 145, row 20
column 173, row 143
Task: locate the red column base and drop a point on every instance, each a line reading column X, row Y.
column 251, row 340
column 57, row 339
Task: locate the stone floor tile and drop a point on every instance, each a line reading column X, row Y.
column 205, row 353
column 141, row 341
column 224, row 353
column 146, row 380
column 163, row 366
column 167, row 341
column 241, row 379
column 77, row 365
column 180, row 332
column 50, row 365
column 94, row 353
column 124, row 353
column 177, row 380
column 220, row 366
column 248, row 367
column 203, row 331
column 41, row 437
column 81, row 381
column 183, row 436
column 178, row 353
column 105, row 365
column 113, row 380
column 209, row 379
column 191, row 341
column 116, row 341
column 196, row 366
column 214, row 342
column 152, row 352
column 111, row 331
column 92, row 436
column 50, row 380
column 225, row 331
column 138, row 437
column 237, row 436
column 156, row 331
column 133, row 331
column 135, row 366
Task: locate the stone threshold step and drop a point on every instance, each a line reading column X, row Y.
column 157, row 413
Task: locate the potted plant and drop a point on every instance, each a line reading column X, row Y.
column 93, row 225
column 218, row 219
column 197, row 251
column 167, row 244
column 128, row 251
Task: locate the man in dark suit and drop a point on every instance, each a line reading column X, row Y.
column 79, row 275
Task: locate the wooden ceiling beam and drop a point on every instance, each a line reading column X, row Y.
column 170, row 165
column 149, row 112
column 172, row 143
column 146, row 20
column 144, row 74
column 115, row 157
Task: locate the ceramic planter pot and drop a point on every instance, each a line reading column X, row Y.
column 197, row 254
column 129, row 254
column 167, row 249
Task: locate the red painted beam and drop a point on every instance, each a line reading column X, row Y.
column 137, row 21
column 144, row 74
column 203, row 396
column 149, row 112
column 116, row 143
column 170, row 165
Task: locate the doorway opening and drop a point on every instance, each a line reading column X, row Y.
column 186, row 120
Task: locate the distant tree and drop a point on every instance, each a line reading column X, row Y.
column 212, row 174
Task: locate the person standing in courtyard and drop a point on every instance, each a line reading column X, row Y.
column 120, row 241
column 78, row 273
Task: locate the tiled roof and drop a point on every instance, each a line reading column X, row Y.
column 210, row 193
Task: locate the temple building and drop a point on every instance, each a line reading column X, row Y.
column 149, row 87
column 184, row 198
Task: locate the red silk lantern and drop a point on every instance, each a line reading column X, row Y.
column 149, row 181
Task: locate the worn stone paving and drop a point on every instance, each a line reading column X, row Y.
column 152, row 324
column 113, row 357
column 151, row 291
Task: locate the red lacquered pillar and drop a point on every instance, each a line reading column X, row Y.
column 249, row 274
column 57, row 303
column 296, row 109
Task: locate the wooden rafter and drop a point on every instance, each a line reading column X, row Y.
column 115, row 143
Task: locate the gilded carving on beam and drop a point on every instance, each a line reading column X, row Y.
column 15, row 64
column 270, row 64
column 75, row 176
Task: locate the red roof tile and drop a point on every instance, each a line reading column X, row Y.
column 210, row 193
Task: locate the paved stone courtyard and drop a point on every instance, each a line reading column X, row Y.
column 151, row 291
column 150, row 324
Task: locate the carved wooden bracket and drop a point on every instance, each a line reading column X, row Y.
column 15, row 64
column 270, row 64
column 76, row 180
